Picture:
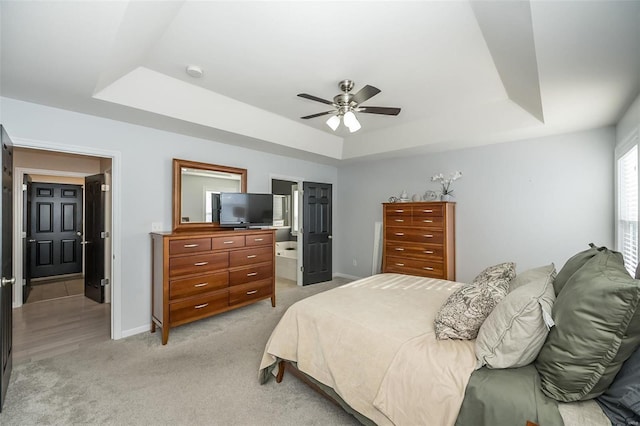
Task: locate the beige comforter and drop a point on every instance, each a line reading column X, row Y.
column 373, row 342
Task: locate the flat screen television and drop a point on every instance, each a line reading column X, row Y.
column 244, row 210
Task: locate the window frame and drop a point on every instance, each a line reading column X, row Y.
column 622, row 149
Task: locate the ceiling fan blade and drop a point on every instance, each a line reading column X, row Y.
column 380, row 110
column 365, row 93
column 314, row 98
column 319, row 114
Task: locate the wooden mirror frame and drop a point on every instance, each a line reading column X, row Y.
column 178, row 225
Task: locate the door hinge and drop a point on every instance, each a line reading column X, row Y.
column 104, row 187
column 24, row 186
column 104, row 234
column 302, row 268
column 104, row 282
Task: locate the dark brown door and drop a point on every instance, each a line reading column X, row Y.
column 6, row 283
column 316, row 226
column 94, row 237
column 56, row 229
column 26, row 225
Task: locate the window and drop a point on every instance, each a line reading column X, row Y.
column 627, row 209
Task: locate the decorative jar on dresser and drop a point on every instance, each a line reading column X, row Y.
column 419, row 239
column 199, row 274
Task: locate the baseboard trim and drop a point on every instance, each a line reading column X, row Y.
column 137, row 330
column 341, row 275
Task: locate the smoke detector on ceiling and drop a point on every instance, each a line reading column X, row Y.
column 194, row 71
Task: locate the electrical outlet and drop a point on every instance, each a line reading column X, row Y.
column 156, row 226
column 355, row 262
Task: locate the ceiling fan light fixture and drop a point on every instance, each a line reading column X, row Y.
column 333, row 122
column 351, row 122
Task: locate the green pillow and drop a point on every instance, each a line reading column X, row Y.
column 573, row 264
column 597, row 319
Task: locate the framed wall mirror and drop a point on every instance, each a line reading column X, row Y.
column 196, row 190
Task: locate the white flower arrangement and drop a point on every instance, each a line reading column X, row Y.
column 446, row 182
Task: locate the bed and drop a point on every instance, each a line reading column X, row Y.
column 371, row 346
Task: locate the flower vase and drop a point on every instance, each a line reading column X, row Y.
column 446, row 197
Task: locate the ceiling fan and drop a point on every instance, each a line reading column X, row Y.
column 345, row 104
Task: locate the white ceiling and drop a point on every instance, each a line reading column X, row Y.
column 464, row 73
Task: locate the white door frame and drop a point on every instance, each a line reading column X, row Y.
column 116, row 267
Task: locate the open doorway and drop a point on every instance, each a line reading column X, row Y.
column 286, row 221
column 56, row 259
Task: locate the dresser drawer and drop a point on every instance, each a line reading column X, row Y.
column 196, row 264
column 421, row 251
column 250, row 291
column 426, row 268
column 398, row 210
column 395, row 220
column 251, row 256
column 198, row 285
column 415, row 235
column 435, row 222
column 191, row 245
column 259, row 239
column 231, row 241
column 250, row 274
column 198, row 307
column 436, row 210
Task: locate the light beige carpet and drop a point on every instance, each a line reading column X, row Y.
column 206, row 375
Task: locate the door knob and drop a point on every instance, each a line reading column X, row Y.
column 7, row 281
column 330, row 237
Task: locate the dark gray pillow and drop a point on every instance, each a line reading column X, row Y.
column 573, row 264
column 621, row 402
column 597, row 317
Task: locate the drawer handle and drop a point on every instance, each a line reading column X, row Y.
column 249, row 293
column 399, row 264
column 428, row 268
column 428, row 251
column 204, row 305
column 399, row 249
column 252, row 274
column 191, row 245
column 200, row 263
column 399, row 220
column 200, row 285
column 399, row 211
column 428, row 221
column 259, row 239
column 428, row 236
column 228, row 242
column 427, row 211
column 251, row 256
column 399, row 234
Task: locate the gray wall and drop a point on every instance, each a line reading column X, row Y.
column 532, row 202
column 146, row 175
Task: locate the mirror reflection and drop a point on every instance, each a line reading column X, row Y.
column 201, row 193
column 196, row 189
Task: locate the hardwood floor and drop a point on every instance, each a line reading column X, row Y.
column 54, row 289
column 53, row 327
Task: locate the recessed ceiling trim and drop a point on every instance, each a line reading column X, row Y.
column 152, row 91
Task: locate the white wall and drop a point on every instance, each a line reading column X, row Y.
column 146, row 174
column 629, row 122
column 532, row 202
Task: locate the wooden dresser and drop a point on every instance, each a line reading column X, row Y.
column 419, row 239
column 197, row 275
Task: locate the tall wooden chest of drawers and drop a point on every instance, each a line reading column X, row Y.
column 419, row 239
column 197, row 275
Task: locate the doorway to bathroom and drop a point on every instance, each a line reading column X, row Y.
column 286, row 221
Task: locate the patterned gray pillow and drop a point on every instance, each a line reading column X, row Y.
column 462, row 314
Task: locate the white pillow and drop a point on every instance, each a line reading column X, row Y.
column 514, row 332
